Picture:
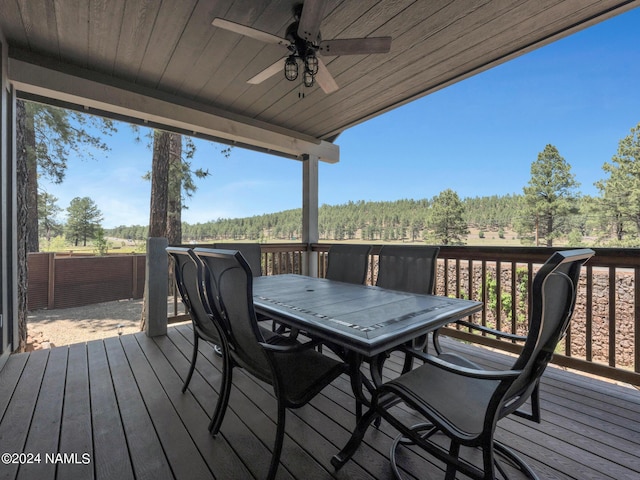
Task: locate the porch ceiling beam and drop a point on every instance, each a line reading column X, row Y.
column 72, row 85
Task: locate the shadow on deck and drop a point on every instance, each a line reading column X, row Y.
column 115, row 408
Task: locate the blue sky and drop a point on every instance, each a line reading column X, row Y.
column 478, row 137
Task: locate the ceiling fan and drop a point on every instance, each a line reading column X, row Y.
column 305, row 46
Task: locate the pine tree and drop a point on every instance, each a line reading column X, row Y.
column 618, row 207
column 48, row 209
column 48, row 136
column 83, row 220
column 446, row 222
column 549, row 198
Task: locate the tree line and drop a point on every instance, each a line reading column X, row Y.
column 550, row 209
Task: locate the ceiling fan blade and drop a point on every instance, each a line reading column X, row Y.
column 312, row 14
column 324, row 78
column 268, row 72
column 249, row 32
column 355, row 46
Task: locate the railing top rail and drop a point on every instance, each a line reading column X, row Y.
column 284, row 247
column 604, row 257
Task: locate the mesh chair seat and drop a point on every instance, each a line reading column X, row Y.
column 306, row 374
column 452, row 398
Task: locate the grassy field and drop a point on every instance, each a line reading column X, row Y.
column 117, row 246
column 492, row 239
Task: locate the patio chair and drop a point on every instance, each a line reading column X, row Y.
column 348, row 263
column 189, row 274
column 409, row 269
column 463, row 403
column 296, row 371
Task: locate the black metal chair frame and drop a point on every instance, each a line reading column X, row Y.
column 492, row 395
column 295, row 370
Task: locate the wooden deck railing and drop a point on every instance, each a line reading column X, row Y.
column 604, row 338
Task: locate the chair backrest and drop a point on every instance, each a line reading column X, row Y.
column 228, row 285
column 251, row 252
column 408, row 268
column 553, row 298
column 189, row 274
column 348, row 263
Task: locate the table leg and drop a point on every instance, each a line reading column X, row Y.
column 357, row 382
column 375, row 365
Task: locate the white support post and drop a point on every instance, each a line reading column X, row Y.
column 156, row 287
column 310, row 213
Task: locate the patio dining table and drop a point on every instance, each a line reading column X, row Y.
column 364, row 321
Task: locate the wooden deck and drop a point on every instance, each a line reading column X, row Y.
column 118, row 401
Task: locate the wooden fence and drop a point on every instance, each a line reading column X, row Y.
column 71, row 281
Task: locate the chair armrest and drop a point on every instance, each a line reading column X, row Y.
column 491, row 331
column 464, row 371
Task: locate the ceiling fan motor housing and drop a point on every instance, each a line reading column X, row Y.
column 303, row 49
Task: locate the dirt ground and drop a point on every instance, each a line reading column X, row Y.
column 54, row 328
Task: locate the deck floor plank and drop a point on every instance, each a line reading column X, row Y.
column 45, row 427
column 167, row 361
column 111, row 455
column 18, row 416
column 145, row 450
column 9, row 378
column 120, row 399
column 76, row 429
column 175, row 439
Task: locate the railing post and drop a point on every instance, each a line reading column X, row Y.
column 156, row 286
column 310, row 213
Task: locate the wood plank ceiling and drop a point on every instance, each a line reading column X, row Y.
column 170, row 47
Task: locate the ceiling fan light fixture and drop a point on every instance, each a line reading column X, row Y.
column 309, row 79
column 311, row 63
column 291, row 68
